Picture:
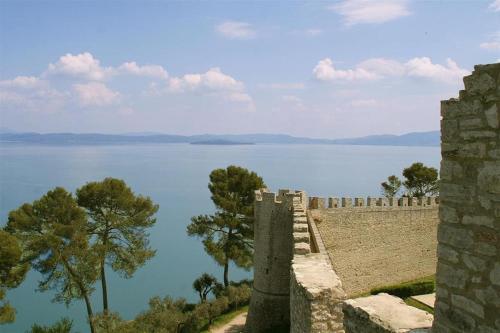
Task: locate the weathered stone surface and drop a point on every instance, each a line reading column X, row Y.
column 316, row 295
column 468, row 273
column 489, row 178
column 492, row 116
column 495, row 274
column 383, row 313
column 366, row 260
column 468, row 305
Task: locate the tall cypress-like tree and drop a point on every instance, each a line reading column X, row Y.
column 12, row 273
column 53, row 234
column 118, row 219
column 228, row 234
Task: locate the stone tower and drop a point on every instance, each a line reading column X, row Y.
column 273, row 243
column 468, row 270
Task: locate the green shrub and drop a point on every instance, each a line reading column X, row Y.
column 62, row 326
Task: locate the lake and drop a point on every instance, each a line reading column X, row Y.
column 176, row 176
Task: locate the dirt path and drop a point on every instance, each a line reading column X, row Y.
column 234, row 326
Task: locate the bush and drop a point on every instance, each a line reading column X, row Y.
column 405, row 290
column 62, row 326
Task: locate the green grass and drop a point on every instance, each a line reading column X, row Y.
column 425, row 285
column 226, row 318
column 405, row 290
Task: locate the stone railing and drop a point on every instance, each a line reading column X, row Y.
column 316, row 293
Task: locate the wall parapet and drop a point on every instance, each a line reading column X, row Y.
column 316, row 292
column 384, row 313
column 371, row 202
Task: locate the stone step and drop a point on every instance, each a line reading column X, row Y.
column 300, row 227
column 301, row 248
column 301, row 237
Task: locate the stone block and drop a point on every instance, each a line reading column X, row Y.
column 383, row 313
column 346, row 202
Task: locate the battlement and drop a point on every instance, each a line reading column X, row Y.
column 284, row 195
column 371, row 202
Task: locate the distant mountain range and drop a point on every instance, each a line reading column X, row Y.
column 411, row 139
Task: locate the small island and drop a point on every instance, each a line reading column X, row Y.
column 221, row 142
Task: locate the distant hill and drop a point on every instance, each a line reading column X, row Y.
column 220, row 142
column 410, row 139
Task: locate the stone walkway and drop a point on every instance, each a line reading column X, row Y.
column 234, row 326
column 428, row 299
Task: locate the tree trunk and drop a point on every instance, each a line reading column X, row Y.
column 89, row 313
column 226, row 273
column 104, row 289
column 226, row 262
column 84, row 292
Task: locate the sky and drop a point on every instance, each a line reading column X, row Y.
column 321, row 69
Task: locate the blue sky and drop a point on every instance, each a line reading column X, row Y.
column 310, row 68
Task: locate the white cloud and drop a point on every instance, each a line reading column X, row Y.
column 490, row 45
column 423, row 67
column 236, row 30
column 82, row 65
column 370, row 11
column 153, row 71
column 325, row 71
column 213, row 80
column 313, row 32
column 383, row 67
column 95, row 94
column 24, row 82
column 379, row 68
column 30, row 93
column 239, row 97
column 493, row 44
column 495, row 6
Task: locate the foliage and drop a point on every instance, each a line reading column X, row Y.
column 118, row 219
column 407, row 289
column 391, row 187
column 62, row 326
column 169, row 315
column 204, row 285
column 238, row 296
column 228, row 234
column 421, row 180
column 53, row 234
column 12, row 273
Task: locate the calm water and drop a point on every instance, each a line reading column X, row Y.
column 175, row 176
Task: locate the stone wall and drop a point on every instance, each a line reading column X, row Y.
column 379, row 245
column 316, row 293
column 384, row 313
column 295, row 288
column 468, row 271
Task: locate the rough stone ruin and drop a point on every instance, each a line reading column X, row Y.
column 311, row 255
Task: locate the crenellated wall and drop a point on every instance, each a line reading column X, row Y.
column 378, row 242
column 468, row 271
column 346, row 202
column 295, row 288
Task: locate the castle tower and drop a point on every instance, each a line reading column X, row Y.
column 273, row 243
